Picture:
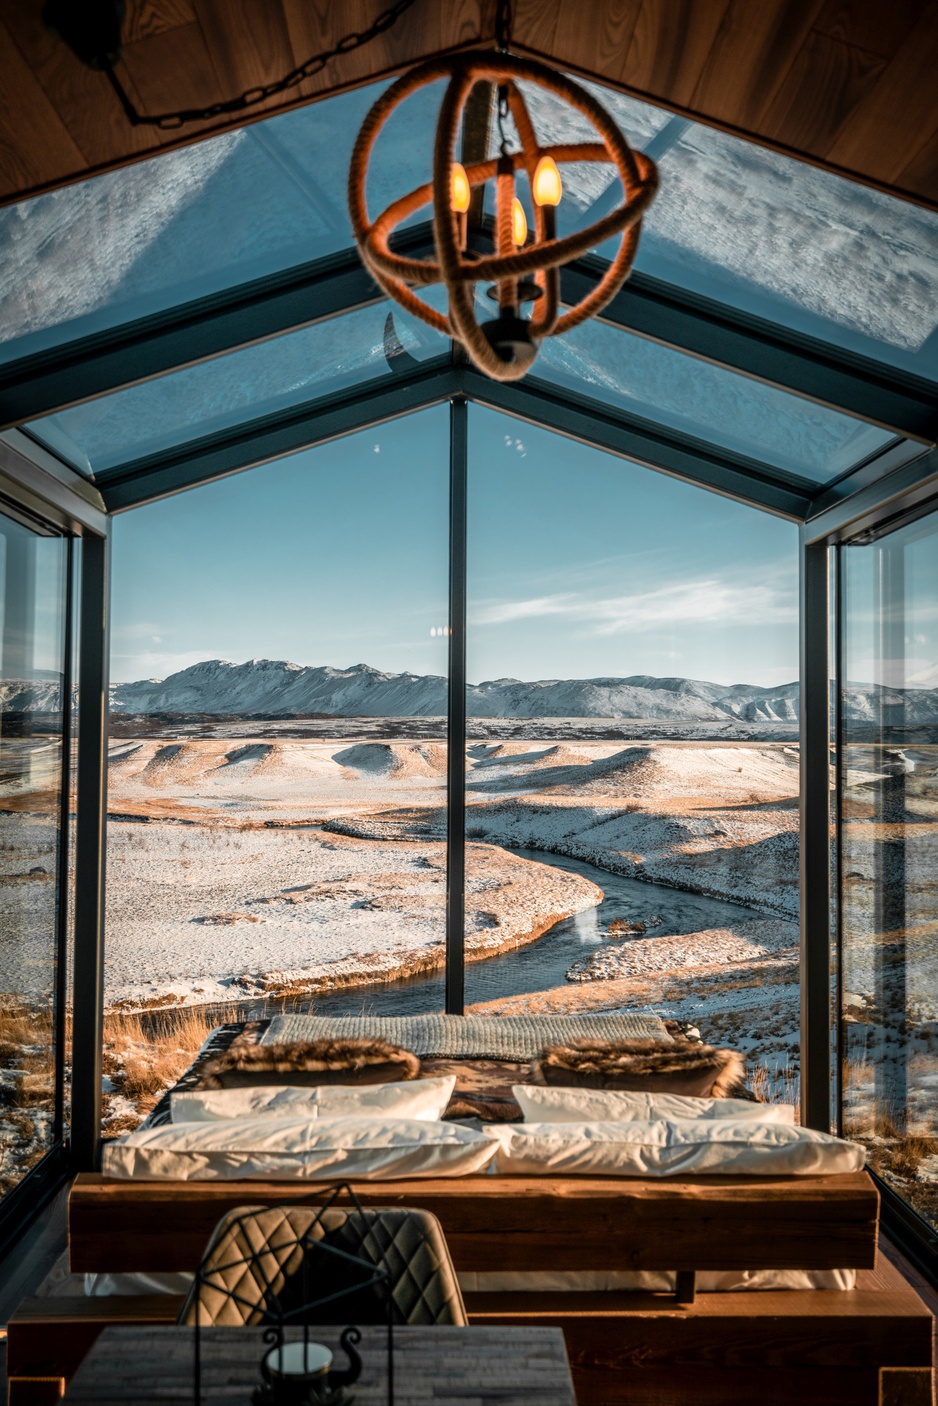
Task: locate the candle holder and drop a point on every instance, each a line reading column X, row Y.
column 289, row 1273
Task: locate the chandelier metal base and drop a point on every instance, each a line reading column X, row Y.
column 505, row 347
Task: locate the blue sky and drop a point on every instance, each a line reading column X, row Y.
column 580, row 565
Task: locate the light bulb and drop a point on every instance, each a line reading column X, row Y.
column 519, row 223
column 548, row 187
column 460, row 191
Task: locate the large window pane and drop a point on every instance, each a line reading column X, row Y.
column 633, row 701
column 765, row 233
column 32, row 633
column 243, row 385
column 669, row 388
column 889, row 814
column 192, row 222
column 277, row 823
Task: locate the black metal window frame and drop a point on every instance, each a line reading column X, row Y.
column 904, row 474
column 48, row 504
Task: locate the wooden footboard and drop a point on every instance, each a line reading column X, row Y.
column 517, row 1223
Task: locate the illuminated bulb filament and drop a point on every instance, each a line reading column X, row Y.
column 519, row 223
column 460, row 191
column 548, row 187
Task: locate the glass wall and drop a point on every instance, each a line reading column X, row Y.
column 277, row 778
column 889, row 856
column 632, row 766
column 32, row 702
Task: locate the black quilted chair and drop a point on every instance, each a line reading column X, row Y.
column 262, row 1262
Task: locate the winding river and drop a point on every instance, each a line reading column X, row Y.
column 542, row 964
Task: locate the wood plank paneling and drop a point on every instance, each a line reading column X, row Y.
column 537, row 21
column 670, row 45
column 314, row 25
column 877, row 28
column 921, row 174
column 36, row 147
column 247, row 41
column 751, row 57
column 844, row 83
column 826, row 83
column 169, row 71
column 887, row 131
column 520, row 1223
column 147, row 17
column 83, row 99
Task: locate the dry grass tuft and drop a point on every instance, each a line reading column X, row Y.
column 145, row 1054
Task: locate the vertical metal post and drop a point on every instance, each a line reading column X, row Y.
column 841, row 1030
column 60, row 995
column 456, row 717
column 90, row 835
column 815, row 838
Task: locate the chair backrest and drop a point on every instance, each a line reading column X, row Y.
column 262, row 1257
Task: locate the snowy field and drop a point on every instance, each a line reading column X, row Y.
column 247, row 866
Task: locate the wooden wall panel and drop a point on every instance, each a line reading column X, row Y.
column 669, row 46
column 826, row 84
column 921, row 174
column 887, row 131
column 247, row 41
column 847, row 84
column 751, row 56
column 36, row 146
column 82, row 98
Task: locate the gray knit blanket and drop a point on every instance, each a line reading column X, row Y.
column 516, row 1037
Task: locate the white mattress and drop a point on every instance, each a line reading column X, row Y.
column 561, row 1281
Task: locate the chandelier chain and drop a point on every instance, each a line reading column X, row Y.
column 170, row 121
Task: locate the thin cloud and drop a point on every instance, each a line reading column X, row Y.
column 709, row 600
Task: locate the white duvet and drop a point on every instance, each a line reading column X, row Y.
column 662, row 1149
column 276, row 1147
column 373, row 1147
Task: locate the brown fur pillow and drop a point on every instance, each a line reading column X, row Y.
column 640, row 1066
column 311, row 1062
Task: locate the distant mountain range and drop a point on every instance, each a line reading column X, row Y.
column 274, row 686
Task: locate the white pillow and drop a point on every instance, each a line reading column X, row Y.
column 425, row 1099
column 366, row 1148
column 260, row 1101
column 547, row 1104
column 660, row 1149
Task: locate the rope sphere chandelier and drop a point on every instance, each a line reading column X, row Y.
column 524, row 266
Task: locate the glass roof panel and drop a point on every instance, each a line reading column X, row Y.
column 732, row 411
column 214, row 395
column 769, row 235
column 247, row 203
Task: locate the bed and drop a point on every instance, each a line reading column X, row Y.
column 637, row 1347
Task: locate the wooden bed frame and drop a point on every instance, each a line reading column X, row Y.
column 837, row 1348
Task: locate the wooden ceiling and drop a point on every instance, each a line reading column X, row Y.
column 846, row 84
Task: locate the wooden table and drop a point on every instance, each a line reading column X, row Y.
column 152, row 1366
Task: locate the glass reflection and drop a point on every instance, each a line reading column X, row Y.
column 632, row 762
column 889, row 816
column 192, row 222
column 669, row 387
column 32, row 633
column 243, row 385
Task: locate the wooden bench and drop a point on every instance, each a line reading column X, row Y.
column 642, row 1349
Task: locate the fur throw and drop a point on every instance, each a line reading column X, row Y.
column 645, row 1066
column 339, row 1061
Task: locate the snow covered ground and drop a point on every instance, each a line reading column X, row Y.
column 277, row 865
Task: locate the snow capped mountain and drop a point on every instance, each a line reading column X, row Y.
column 277, row 686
